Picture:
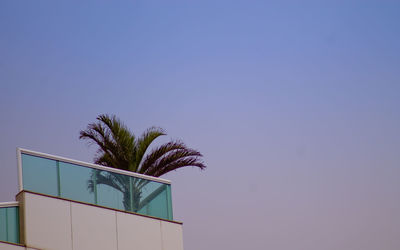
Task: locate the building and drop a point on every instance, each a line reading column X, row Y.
column 73, row 205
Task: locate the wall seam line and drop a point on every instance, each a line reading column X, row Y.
column 116, row 227
column 162, row 238
column 70, row 217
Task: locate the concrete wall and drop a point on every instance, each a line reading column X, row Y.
column 52, row 223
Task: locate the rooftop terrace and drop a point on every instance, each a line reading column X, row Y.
column 86, row 183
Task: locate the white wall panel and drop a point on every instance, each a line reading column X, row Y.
column 137, row 232
column 52, row 223
column 171, row 236
column 47, row 222
column 93, row 228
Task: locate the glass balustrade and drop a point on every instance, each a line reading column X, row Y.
column 96, row 186
column 9, row 224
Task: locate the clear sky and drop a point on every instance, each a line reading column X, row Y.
column 295, row 106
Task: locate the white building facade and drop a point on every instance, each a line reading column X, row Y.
column 65, row 204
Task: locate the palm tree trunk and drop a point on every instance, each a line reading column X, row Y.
column 131, row 202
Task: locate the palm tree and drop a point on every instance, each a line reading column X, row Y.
column 120, row 148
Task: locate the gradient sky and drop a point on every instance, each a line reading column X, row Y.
column 295, row 106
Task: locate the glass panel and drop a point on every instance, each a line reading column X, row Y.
column 9, row 224
column 95, row 186
column 3, row 224
column 157, row 206
column 154, row 200
column 76, row 182
column 112, row 190
column 39, row 175
column 138, row 194
column 13, row 224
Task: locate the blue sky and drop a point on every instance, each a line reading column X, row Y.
column 295, row 107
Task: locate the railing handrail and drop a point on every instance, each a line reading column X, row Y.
column 9, row 204
column 84, row 164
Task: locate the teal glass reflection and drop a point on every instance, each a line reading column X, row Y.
column 112, row 190
column 9, row 224
column 39, row 175
column 154, row 200
column 94, row 186
column 169, row 201
column 3, row 224
column 13, row 224
column 156, row 206
column 75, row 182
column 138, row 194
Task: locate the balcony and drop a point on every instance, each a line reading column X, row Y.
column 94, row 184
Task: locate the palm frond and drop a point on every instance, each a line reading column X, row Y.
column 144, row 142
column 99, row 135
column 157, row 153
column 169, row 156
column 116, row 143
column 184, row 162
column 118, row 148
column 123, row 139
